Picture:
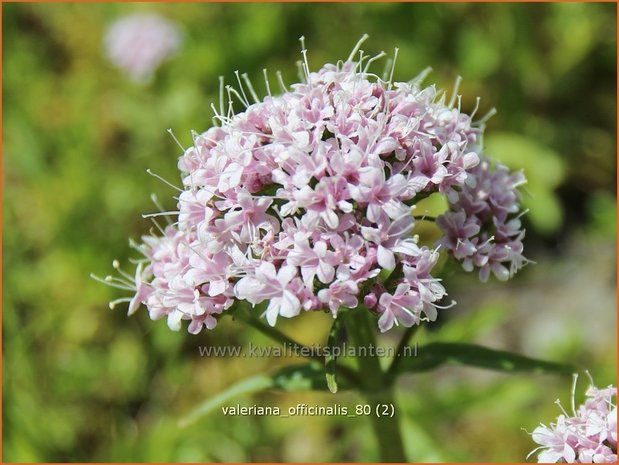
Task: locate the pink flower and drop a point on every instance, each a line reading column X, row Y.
column 403, row 307
column 268, row 284
column 379, row 194
column 323, row 202
column 428, row 166
column 558, row 442
column 339, row 294
column 314, row 261
column 143, row 288
column 138, row 44
column 194, row 208
column 213, row 271
column 391, row 238
column 589, row 435
column 305, row 200
column 480, row 229
column 248, row 215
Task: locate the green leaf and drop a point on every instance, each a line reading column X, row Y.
column 435, row 354
column 306, row 377
column 334, row 341
column 247, row 386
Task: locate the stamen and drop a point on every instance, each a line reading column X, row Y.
column 124, row 274
column 221, row 95
column 280, row 79
column 195, row 251
column 217, row 116
column 245, row 101
column 574, row 381
column 395, row 57
column 121, row 282
column 407, row 310
column 110, row 282
column 232, row 90
column 487, row 116
column 477, row 101
column 266, row 80
column 454, row 92
column 230, row 113
column 154, row 215
column 440, row 96
column 305, row 63
column 176, row 140
column 154, row 199
column 373, row 59
column 149, row 171
column 159, row 228
column 357, row 46
column 534, row 450
column 250, row 87
column 113, row 303
column 417, row 80
column 359, row 64
column 135, row 245
column 445, row 307
column 558, row 402
column 301, row 71
column 490, row 239
column 590, row 377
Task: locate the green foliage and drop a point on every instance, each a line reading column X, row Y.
column 334, row 342
column 433, row 355
column 545, row 171
column 306, row 377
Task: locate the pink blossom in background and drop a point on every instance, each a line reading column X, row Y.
column 587, row 435
column 306, row 201
column 139, row 43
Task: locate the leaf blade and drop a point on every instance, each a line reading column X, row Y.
column 333, row 342
column 246, row 386
column 303, row 377
column 436, row 354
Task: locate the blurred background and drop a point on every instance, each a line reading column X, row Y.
column 85, row 383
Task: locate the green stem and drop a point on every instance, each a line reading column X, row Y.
column 275, row 334
column 242, row 313
column 376, row 387
column 362, row 336
column 406, row 337
column 386, row 428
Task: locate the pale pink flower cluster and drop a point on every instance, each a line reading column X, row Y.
column 140, row 42
column 482, row 227
column 304, row 202
column 589, row 435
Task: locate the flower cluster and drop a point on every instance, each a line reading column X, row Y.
column 138, row 44
column 305, row 202
column 482, row 227
column 587, row 436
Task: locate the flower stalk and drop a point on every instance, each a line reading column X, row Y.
column 376, row 388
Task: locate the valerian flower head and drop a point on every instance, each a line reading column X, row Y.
column 588, row 435
column 304, row 202
column 482, row 228
column 140, row 42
